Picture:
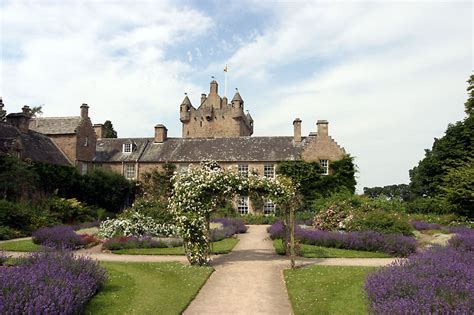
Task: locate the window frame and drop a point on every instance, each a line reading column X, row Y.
column 266, row 170
column 243, row 204
column 128, row 169
column 125, row 146
column 324, row 163
column 243, row 169
column 266, row 205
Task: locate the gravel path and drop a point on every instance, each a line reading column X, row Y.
column 249, row 280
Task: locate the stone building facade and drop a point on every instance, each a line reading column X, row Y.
column 216, row 130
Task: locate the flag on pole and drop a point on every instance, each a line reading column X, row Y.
column 225, row 68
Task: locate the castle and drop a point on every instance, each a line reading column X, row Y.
column 215, row 130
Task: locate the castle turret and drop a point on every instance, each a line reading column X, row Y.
column 185, row 108
column 237, row 106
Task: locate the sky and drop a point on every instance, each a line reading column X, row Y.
column 388, row 76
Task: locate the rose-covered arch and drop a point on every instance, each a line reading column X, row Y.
column 197, row 190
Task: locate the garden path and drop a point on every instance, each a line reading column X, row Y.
column 249, row 280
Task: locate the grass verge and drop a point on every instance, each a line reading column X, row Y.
column 312, row 251
column 148, row 288
column 327, row 289
column 20, row 246
column 221, row 247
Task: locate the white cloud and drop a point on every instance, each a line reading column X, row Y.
column 392, row 77
column 110, row 55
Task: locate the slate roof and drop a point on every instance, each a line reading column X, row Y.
column 245, row 149
column 110, row 149
column 34, row 145
column 55, row 125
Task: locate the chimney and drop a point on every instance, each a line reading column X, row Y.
column 161, row 133
column 99, row 130
column 297, row 129
column 84, row 111
column 203, row 98
column 20, row 120
column 322, row 128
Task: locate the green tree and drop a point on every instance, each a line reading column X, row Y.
column 392, row 192
column 458, row 188
column 454, row 149
column 470, row 101
column 3, row 113
column 109, row 131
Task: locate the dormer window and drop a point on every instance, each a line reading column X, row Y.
column 127, row 148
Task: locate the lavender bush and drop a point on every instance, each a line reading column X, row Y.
column 50, row 282
column 436, row 281
column 422, row 225
column 237, row 224
column 61, row 236
column 126, row 242
column 463, row 240
column 392, row 244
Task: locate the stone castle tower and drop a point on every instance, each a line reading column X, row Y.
column 215, row 117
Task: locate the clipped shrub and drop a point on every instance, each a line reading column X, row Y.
column 126, row 242
column 435, row 281
column 61, row 236
column 392, row 244
column 50, row 283
column 463, row 240
column 380, row 221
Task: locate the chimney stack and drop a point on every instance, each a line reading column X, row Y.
column 84, row 111
column 99, row 130
column 161, row 133
column 214, row 87
column 20, row 120
column 297, row 129
column 203, row 98
column 322, row 128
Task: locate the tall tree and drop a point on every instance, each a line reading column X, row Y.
column 109, row 131
column 3, row 113
column 453, row 150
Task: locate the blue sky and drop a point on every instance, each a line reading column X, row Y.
column 389, row 76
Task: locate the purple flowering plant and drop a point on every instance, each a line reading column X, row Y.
column 422, row 225
column 50, row 282
column 60, row 236
column 392, row 244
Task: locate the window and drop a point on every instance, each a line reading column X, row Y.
column 325, row 165
column 129, row 171
column 243, row 169
column 127, row 148
column 86, row 141
column 243, row 204
column 97, row 165
column 268, row 207
column 83, row 168
column 269, row 170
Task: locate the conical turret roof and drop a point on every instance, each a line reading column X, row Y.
column 186, row 101
column 237, row 97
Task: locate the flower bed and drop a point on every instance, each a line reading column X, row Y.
column 392, row 244
column 62, row 236
column 50, row 283
column 127, row 242
column 422, row 225
column 438, row 280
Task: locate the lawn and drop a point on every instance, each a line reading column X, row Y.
column 327, row 289
column 20, row 246
column 313, row 251
column 148, row 288
column 221, row 247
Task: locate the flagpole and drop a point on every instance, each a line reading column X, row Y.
column 225, row 81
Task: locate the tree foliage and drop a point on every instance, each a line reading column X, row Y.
column 458, row 188
column 438, row 170
column 313, row 185
column 392, row 192
column 109, row 131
